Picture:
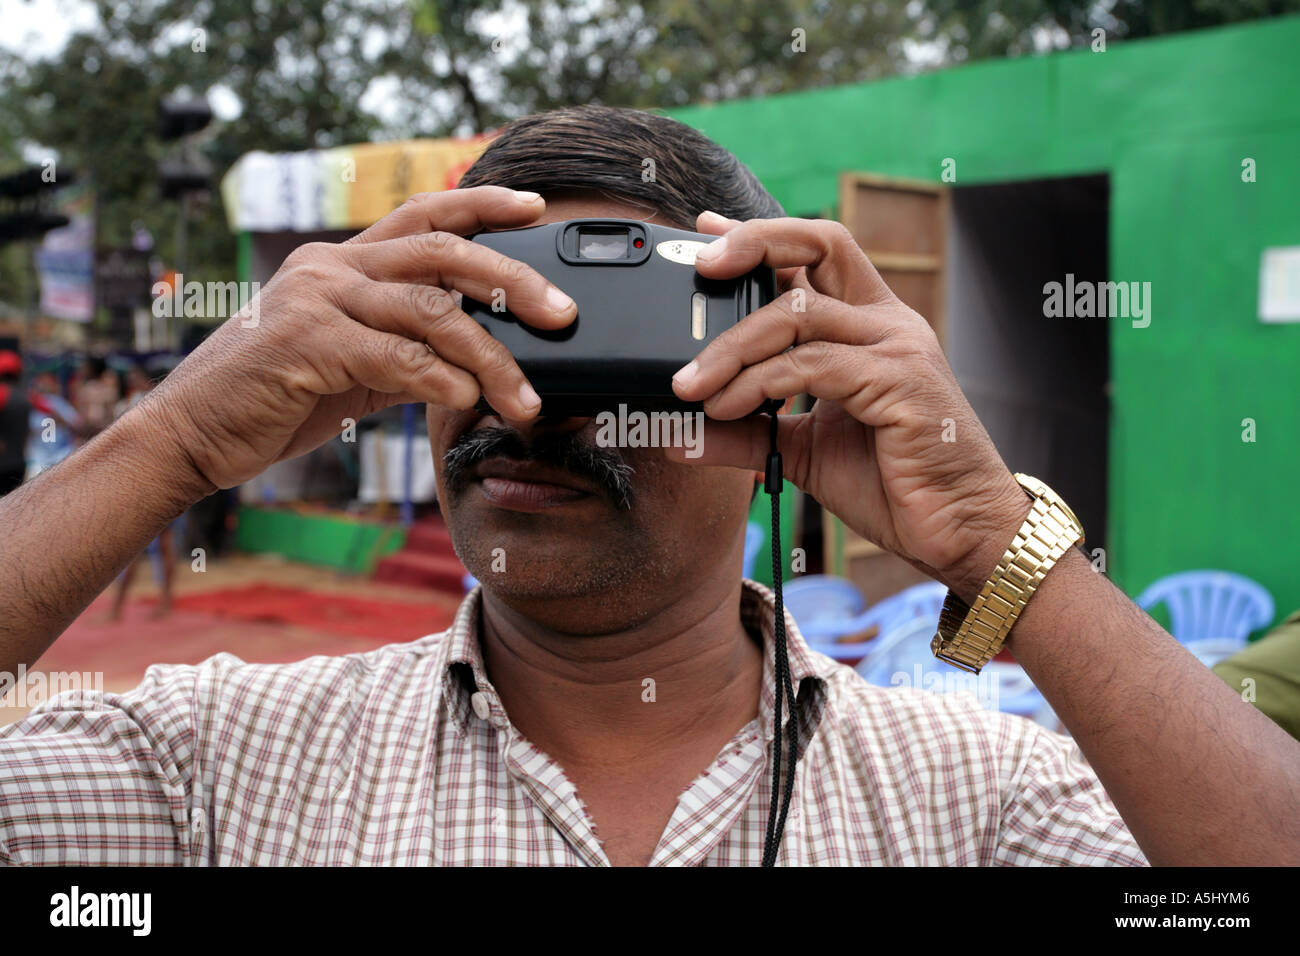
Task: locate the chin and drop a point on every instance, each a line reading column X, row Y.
column 528, row 559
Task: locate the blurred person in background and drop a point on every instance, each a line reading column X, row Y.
column 49, row 446
column 1267, row 674
column 96, row 396
column 138, row 385
column 23, row 414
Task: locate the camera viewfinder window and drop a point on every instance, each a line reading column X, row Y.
column 602, row 245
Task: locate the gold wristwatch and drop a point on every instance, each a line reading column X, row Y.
column 970, row 635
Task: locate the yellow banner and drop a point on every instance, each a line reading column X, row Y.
column 387, row 174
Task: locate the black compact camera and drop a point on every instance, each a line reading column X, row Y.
column 643, row 312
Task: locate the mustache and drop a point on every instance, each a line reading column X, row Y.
column 603, row 467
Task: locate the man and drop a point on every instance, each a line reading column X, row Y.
column 138, row 385
column 47, row 446
column 97, row 393
column 608, row 698
column 1267, row 673
column 21, row 413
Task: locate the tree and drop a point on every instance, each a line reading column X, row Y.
column 963, row 30
column 319, row 73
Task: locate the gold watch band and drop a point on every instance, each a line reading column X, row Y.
column 969, row 636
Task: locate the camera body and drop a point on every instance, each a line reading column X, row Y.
column 643, row 312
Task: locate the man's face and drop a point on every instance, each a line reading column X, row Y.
column 592, row 539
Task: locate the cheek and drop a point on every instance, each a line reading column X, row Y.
column 665, row 488
column 443, row 424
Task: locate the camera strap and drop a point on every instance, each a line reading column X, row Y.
column 780, row 802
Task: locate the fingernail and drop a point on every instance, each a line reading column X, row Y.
column 717, row 216
column 558, row 301
column 714, row 249
column 525, row 196
column 528, row 398
column 686, row 374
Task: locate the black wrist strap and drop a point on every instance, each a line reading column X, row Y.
column 779, row 805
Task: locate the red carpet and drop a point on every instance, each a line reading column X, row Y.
column 379, row 621
column 261, row 623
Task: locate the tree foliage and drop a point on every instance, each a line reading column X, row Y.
column 318, row 73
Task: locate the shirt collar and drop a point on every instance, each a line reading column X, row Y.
column 463, row 675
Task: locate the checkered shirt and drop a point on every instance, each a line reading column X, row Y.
column 405, row 755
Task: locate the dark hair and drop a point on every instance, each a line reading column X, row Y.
column 605, row 148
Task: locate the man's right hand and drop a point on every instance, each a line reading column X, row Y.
column 344, row 330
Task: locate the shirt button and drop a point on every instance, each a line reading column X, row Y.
column 480, row 704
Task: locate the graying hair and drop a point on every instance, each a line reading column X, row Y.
column 604, row 148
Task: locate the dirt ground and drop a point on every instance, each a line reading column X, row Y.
column 115, row 654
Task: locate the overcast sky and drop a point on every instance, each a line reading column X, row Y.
column 42, row 26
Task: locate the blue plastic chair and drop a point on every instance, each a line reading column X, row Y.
column 902, row 657
column 825, row 608
column 1210, row 612
column 828, row 608
column 923, row 600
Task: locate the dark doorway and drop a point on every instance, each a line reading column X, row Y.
column 1039, row 384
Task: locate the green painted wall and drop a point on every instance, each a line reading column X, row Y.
column 1170, row 120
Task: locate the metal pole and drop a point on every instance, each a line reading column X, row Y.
column 179, row 254
column 408, row 434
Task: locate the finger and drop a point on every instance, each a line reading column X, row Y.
column 462, row 211
column 711, row 223
column 795, row 317
column 453, row 262
column 394, row 365
column 850, row 375
column 836, row 265
column 740, row 444
column 714, row 224
column 430, row 315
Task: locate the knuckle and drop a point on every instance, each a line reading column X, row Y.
column 310, row 252
column 453, row 390
column 432, row 301
column 813, row 359
column 516, row 272
column 496, row 359
column 437, row 244
column 336, row 291
column 796, row 303
column 309, row 261
column 408, row 354
column 417, row 200
column 836, row 232
column 729, row 347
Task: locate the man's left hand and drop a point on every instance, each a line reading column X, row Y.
column 891, row 446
